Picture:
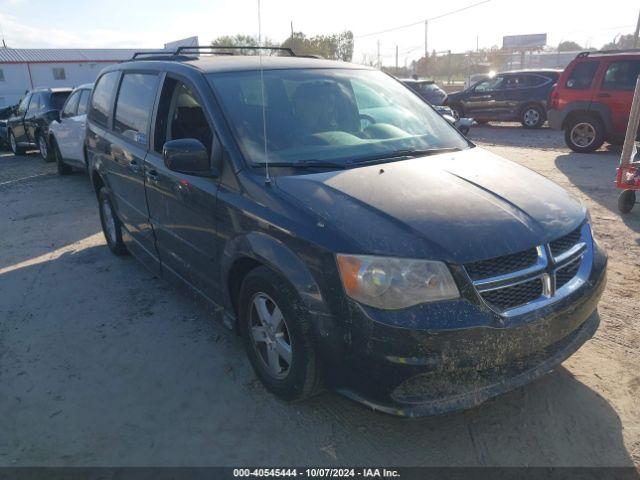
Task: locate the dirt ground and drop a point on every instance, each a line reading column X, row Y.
column 103, row 364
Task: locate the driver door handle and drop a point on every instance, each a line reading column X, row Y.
column 134, row 166
column 152, row 176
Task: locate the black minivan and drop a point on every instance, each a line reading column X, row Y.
column 374, row 251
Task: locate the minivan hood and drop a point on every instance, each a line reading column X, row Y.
column 458, row 207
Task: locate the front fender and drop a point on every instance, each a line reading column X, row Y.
column 274, row 254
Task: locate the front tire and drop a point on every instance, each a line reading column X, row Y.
column 277, row 335
column 43, row 146
column 532, row 116
column 111, row 226
column 63, row 168
column 626, row 201
column 584, row 134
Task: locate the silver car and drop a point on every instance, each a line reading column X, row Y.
column 66, row 135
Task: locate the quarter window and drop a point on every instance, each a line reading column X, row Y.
column 59, row 74
column 102, row 99
column 536, row 80
column 621, row 75
column 581, row 76
column 134, row 104
column 1, row 75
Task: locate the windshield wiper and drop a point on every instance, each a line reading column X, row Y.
column 306, row 164
column 407, row 153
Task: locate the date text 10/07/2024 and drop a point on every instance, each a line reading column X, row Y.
column 317, row 472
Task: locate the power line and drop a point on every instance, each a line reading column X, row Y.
column 422, row 21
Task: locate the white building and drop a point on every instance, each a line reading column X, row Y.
column 25, row 68
column 22, row 69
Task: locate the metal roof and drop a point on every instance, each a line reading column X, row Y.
column 49, row 55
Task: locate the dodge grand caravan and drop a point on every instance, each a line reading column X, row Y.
column 380, row 254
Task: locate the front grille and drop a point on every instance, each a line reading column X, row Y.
column 511, row 281
column 514, row 295
column 565, row 243
column 566, row 274
column 502, row 265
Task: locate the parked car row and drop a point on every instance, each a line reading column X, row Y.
column 589, row 100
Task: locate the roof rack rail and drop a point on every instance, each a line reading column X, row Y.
column 154, row 52
column 607, row 52
column 199, row 48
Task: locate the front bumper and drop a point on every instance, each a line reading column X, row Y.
column 439, row 365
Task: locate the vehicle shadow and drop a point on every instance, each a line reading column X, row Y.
column 594, row 175
column 105, row 364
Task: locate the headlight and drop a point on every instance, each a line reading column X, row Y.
column 393, row 283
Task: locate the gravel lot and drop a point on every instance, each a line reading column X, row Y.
column 103, row 364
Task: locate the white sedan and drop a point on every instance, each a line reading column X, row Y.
column 66, row 135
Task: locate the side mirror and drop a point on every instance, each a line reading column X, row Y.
column 187, row 155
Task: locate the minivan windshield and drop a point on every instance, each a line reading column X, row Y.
column 329, row 116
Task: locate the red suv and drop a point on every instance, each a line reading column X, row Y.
column 592, row 99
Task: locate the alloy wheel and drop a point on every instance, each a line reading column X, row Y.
column 583, row 134
column 270, row 336
column 14, row 145
column 42, row 144
column 531, row 117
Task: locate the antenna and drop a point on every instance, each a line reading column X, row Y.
column 267, row 178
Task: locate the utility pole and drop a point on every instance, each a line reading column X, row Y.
column 426, row 38
column 379, row 64
column 396, row 58
column 291, row 29
column 635, row 37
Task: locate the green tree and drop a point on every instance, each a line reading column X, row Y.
column 240, row 40
column 569, row 46
column 621, row 43
column 338, row 46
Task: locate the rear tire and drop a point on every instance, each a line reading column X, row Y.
column 626, row 201
column 63, row 168
column 111, row 226
column 285, row 334
column 584, row 134
column 532, row 116
column 13, row 144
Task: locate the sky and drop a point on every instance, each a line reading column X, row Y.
column 151, row 23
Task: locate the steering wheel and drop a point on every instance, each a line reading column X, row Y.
column 366, row 118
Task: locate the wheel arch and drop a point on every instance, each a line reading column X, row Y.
column 254, row 249
column 591, row 109
column 534, row 103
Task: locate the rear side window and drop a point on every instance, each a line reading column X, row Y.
column 83, row 104
column 134, row 104
column 581, row 76
column 621, row 75
column 103, row 98
column 537, row 80
column 71, row 106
